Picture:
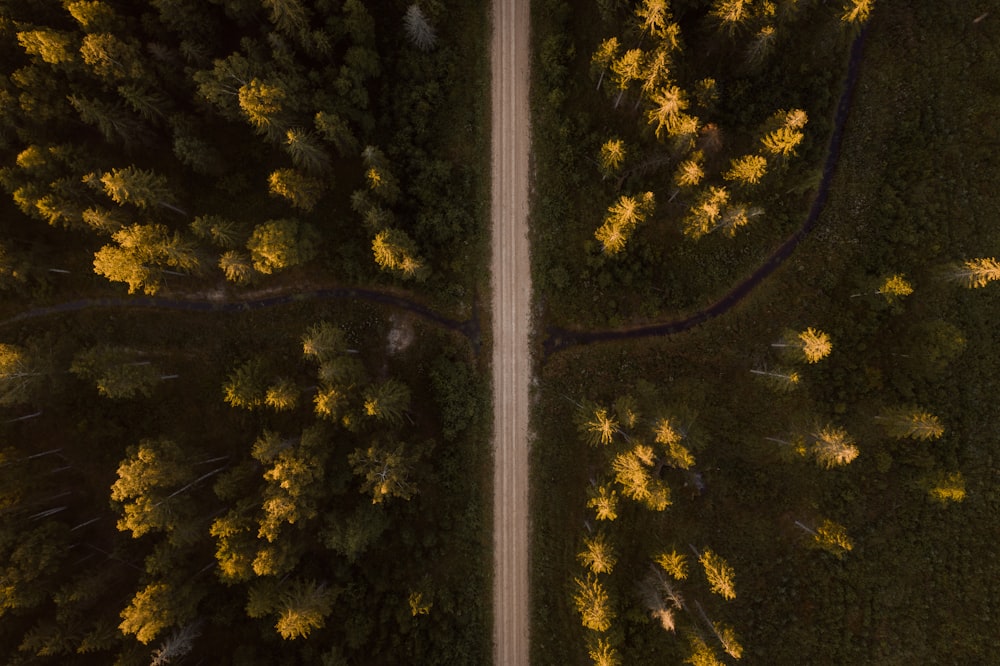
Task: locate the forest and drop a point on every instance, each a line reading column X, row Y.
column 765, row 423
column 242, row 405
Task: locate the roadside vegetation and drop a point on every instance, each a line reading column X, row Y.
column 809, row 477
column 298, row 483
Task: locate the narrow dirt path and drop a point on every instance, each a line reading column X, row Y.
column 511, row 278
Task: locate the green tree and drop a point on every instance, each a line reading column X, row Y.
column 948, row 488
column 622, row 218
column 263, row 104
column 304, row 606
column 857, row 11
column 910, row 423
column 674, row 564
column 780, row 379
column 246, row 386
column 746, row 170
column 293, row 483
column 591, row 601
column 149, row 488
column 810, row 345
column 306, row 151
column 418, row 29
column 833, row 447
column 606, row 53
column 279, row 244
column 612, row 156
column 301, row 190
column 157, row 607
column 218, row 230
column 702, row 653
column 52, row 46
column 689, row 172
column 21, row 371
column 634, row 473
column 113, row 372
column 396, row 252
column 237, row 267
column 602, row 653
column 137, row 187
column 669, row 102
column 112, row 120
column 323, row 342
column 141, row 253
column 976, row 273
column 111, row 58
column 895, row 287
column 598, row 556
column 718, row 573
column 625, row 70
column 384, row 473
column 282, row 395
column 387, row 401
column 604, row 501
column 596, row 425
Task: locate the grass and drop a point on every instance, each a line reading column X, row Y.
column 911, row 194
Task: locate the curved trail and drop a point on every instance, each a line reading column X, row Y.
column 468, row 328
column 559, row 339
column 511, row 278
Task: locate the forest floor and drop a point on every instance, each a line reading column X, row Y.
column 511, row 274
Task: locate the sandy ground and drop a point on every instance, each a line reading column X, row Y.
column 511, row 310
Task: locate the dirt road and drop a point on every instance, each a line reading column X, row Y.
column 511, row 310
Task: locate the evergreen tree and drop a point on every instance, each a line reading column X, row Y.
column 279, row 244
column 418, row 29
column 299, row 189
column 114, row 374
column 598, row 556
column 746, row 170
column 137, row 187
column 591, row 600
column 52, row 46
column 396, row 252
column 20, row 374
column 976, row 273
column 387, row 401
column 622, row 218
column 246, row 385
column 720, row 576
column 604, row 501
column 810, row 345
column 910, row 423
column 384, row 473
column 833, row 447
column 150, row 486
column 304, row 606
column 857, row 11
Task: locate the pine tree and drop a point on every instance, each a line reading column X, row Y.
column 705, row 216
column 810, row 345
column 606, row 53
column 237, row 267
column 384, row 473
column 625, row 70
column 604, row 501
column 602, row 653
column 977, row 273
column 596, row 425
column 948, row 488
column 279, row 244
column 114, row 374
column 246, row 385
column 20, row 373
column 720, row 576
column 857, row 11
column 137, row 187
column 52, row 46
column 300, row 189
column 674, row 564
column 622, row 218
column 305, row 151
column 418, row 29
column 612, row 156
column 396, row 252
column 910, row 423
column 387, row 401
column 702, row 653
column 690, row 172
column 282, row 395
column 832, row 538
column 833, row 447
column 591, row 600
column 668, row 102
column 746, row 170
column 895, row 287
column 598, row 556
